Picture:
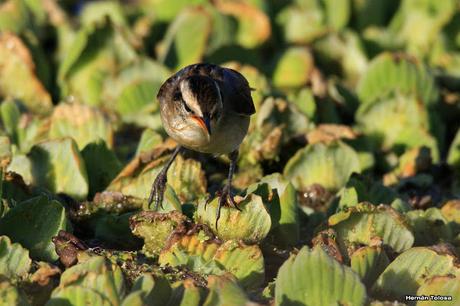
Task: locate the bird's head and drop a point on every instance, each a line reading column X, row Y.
column 201, row 103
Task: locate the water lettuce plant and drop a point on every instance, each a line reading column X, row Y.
column 347, row 183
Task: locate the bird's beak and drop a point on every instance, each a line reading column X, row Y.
column 204, row 123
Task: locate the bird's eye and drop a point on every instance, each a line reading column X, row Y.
column 177, row 96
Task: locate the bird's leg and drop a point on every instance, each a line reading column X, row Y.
column 225, row 194
column 159, row 185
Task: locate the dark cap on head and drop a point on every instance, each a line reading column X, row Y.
column 206, row 92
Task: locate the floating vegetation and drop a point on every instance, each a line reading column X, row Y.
column 347, row 184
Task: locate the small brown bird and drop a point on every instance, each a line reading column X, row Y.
column 205, row 108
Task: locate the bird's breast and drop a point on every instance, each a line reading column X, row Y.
column 227, row 135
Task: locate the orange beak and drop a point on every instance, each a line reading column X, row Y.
column 204, row 123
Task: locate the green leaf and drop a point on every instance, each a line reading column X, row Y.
column 279, row 112
column 18, row 78
column 14, row 16
column 446, row 286
column 329, row 165
column 301, row 25
column 397, row 121
column 135, row 298
column 344, row 52
column 44, row 219
column 136, row 180
column 41, row 281
column 95, row 274
column 277, row 123
column 10, row 118
column 167, row 10
column 360, row 188
column 203, row 255
column 143, row 69
column 418, row 23
column 451, row 211
column 414, row 161
column 98, row 51
column 408, row 271
column 149, row 140
column 89, row 39
column 13, row 190
column 453, row 157
column 185, row 176
column 369, row 262
column 83, row 123
column 78, row 296
column 102, row 165
column 400, row 206
column 11, row 295
column 30, row 131
column 287, row 230
column 135, row 97
column 390, row 74
column 313, row 278
column 155, row 228
column 337, row 13
column 251, row 223
column 22, row 165
column 305, row 101
column 133, row 92
column 224, row 291
column 253, row 24
column 5, row 152
column 293, row 68
column 429, row 226
column 96, row 11
column 193, row 294
column 3, row 205
column 369, row 13
column 154, row 291
column 176, row 49
column 14, row 259
column 368, row 224
column 245, row 262
column 58, row 166
column 270, row 199
column 305, row 21
column 114, row 230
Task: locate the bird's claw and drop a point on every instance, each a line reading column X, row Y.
column 208, row 200
column 225, row 197
column 158, row 190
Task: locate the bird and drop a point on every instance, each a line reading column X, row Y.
column 205, row 108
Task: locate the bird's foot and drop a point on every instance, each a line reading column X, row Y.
column 225, row 197
column 158, row 190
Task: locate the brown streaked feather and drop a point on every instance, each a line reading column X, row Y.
column 233, row 86
column 204, row 87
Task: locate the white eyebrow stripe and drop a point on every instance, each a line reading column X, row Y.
column 189, row 98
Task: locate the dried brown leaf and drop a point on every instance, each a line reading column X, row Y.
column 328, row 133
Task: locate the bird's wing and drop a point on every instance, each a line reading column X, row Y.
column 238, row 92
